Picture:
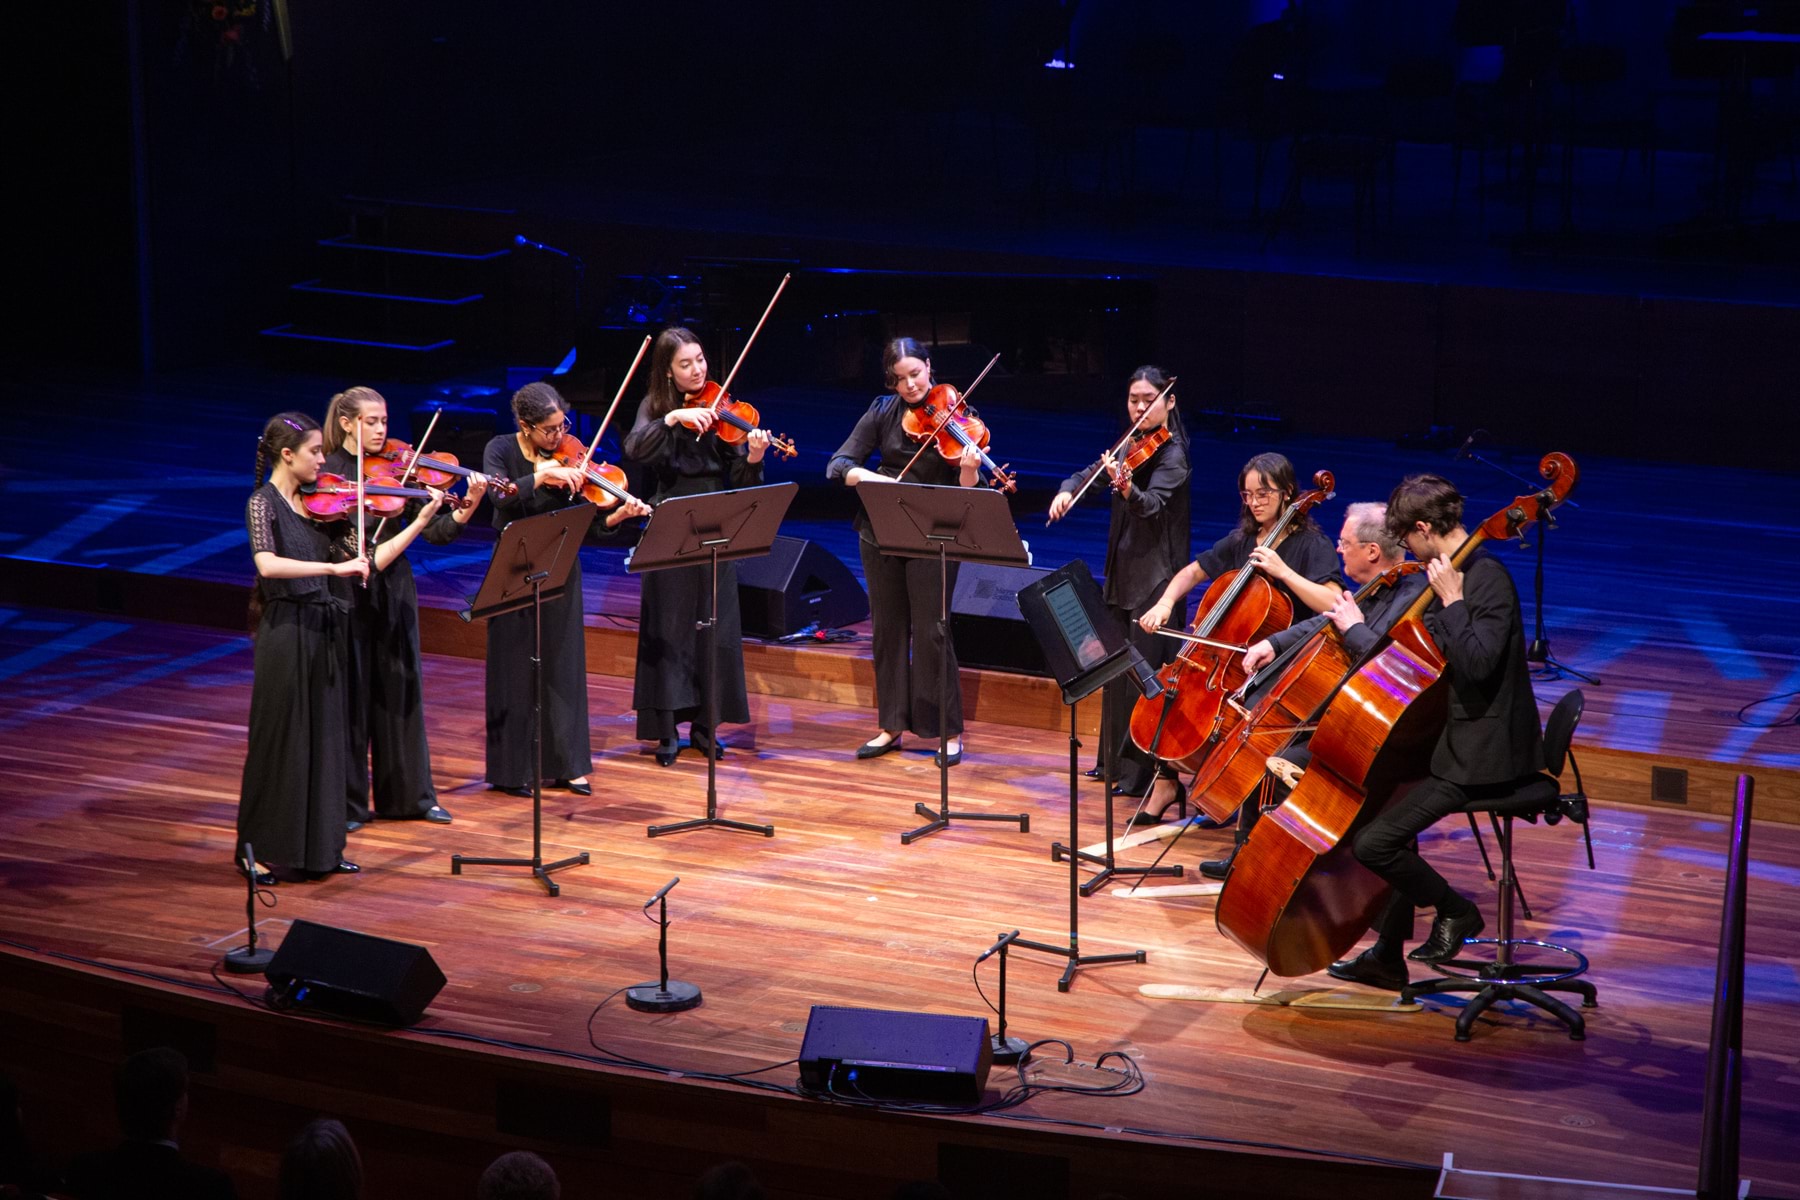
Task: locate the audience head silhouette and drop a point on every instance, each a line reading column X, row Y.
column 321, row 1163
column 520, row 1175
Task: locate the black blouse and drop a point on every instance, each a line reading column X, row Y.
column 879, row 434
column 680, row 464
column 277, row 529
column 1147, row 540
column 1307, row 551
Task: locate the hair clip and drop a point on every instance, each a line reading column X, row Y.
column 292, row 424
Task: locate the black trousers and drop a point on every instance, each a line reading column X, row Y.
column 1387, row 845
column 905, row 601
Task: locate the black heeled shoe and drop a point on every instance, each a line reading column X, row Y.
column 666, row 750
column 1178, row 802
column 705, row 743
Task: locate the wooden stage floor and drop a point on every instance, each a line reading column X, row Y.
column 122, row 745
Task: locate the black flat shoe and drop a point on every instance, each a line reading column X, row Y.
column 704, row 743
column 665, row 753
column 262, row 878
column 1367, row 969
column 1093, row 773
column 522, row 792
column 344, row 868
column 955, row 757
column 1216, row 868
column 870, row 750
column 584, row 788
column 437, row 814
column 1447, row 937
column 352, row 825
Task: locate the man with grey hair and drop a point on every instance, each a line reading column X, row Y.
column 1369, row 551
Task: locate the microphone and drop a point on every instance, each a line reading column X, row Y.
column 1463, row 451
column 663, row 892
column 1005, row 940
column 520, row 239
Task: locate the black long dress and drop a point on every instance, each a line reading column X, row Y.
column 291, row 804
column 905, row 600
column 670, row 684
column 568, row 747
column 387, row 694
column 1146, row 544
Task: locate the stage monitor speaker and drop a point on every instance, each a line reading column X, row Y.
column 353, row 975
column 796, row 584
column 875, row 1054
column 986, row 626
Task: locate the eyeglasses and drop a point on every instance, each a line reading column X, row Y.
column 1350, row 543
column 556, row 430
column 1258, row 494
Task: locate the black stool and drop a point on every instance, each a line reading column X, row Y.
column 1504, row 978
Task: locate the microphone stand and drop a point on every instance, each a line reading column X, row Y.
column 1006, row 1050
column 662, row 996
column 249, row 960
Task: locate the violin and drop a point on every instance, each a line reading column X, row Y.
column 944, row 419
column 603, row 483
column 1296, row 898
column 394, row 458
column 331, row 496
column 1239, row 609
column 737, row 419
column 1142, row 451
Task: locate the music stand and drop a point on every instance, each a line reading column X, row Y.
column 702, row 530
column 531, row 564
column 949, row 524
column 1086, row 649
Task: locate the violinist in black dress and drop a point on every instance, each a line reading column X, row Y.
column 543, row 485
column 1303, row 566
column 387, row 692
column 1492, row 745
column 904, row 593
column 682, row 455
column 291, row 804
column 1146, row 544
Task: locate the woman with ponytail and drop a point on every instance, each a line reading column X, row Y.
column 291, row 806
column 387, row 701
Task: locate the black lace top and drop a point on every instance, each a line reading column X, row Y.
column 276, row 528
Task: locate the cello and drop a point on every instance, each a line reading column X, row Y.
column 1240, row 607
column 1296, row 898
column 1231, row 764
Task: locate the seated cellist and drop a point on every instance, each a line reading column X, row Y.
column 1368, row 551
column 1490, row 747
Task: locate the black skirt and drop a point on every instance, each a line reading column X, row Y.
column 568, row 746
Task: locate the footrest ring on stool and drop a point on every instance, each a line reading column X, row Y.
column 1491, row 982
column 1481, row 971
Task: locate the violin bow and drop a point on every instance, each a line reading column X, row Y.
column 949, row 409
column 362, row 544
column 607, row 419
column 1118, row 446
column 411, row 463
column 725, row 388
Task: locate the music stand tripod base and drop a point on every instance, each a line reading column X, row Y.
column 539, row 869
column 657, row 998
column 937, row 819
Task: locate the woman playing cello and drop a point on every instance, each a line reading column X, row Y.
column 685, row 457
column 387, row 695
column 1146, row 544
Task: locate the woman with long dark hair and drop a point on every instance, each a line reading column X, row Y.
column 904, row 593
column 543, row 485
column 1146, row 544
column 683, row 456
column 291, row 804
column 387, row 693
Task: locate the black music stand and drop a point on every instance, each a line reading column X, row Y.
column 1086, row 649
column 706, row 530
column 949, row 524
column 531, row 564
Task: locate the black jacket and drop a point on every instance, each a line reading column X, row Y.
column 1493, row 734
column 1147, row 540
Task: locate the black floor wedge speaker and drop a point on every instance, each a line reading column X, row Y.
column 877, row 1054
column 986, row 627
column 796, row 584
column 331, row 970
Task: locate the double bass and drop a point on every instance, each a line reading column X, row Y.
column 1240, row 607
column 1296, row 898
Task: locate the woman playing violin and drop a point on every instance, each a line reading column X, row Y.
column 543, row 484
column 1146, row 544
column 684, row 456
column 387, row 695
column 903, row 592
column 291, row 804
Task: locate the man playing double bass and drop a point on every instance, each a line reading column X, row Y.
column 1491, row 745
column 1368, row 551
